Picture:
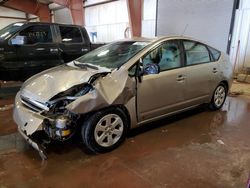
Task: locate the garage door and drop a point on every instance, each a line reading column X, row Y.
column 204, row 20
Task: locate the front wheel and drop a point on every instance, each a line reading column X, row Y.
column 105, row 130
column 219, row 97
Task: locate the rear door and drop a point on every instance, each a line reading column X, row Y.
column 73, row 42
column 162, row 93
column 39, row 52
column 200, row 72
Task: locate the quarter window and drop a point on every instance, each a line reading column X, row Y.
column 196, row 53
column 70, row 34
column 37, row 34
column 215, row 53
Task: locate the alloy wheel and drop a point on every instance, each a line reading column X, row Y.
column 219, row 96
column 108, row 130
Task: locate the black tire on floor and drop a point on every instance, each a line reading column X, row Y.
column 90, row 124
column 216, row 106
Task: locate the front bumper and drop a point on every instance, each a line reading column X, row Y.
column 28, row 122
column 34, row 144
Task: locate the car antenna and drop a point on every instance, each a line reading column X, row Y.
column 185, row 29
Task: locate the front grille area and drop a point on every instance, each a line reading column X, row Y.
column 33, row 105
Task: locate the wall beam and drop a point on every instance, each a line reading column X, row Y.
column 135, row 16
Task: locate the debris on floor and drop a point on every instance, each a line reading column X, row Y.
column 221, row 142
column 6, row 107
column 239, row 88
column 164, row 130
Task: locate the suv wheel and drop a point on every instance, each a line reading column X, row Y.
column 105, row 130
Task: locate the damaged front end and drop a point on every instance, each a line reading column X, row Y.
column 41, row 122
column 58, row 117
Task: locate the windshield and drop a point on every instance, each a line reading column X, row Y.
column 6, row 32
column 113, row 55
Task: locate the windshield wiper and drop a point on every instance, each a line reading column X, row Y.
column 84, row 65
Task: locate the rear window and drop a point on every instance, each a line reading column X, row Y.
column 215, row 53
column 70, row 34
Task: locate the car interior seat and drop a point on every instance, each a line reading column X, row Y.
column 170, row 57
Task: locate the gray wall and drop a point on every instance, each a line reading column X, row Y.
column 63, row 16
column 205, row 20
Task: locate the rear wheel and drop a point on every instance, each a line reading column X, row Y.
column 219, row 97
column 105, row 130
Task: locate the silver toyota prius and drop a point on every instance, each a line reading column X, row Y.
column 120, row 86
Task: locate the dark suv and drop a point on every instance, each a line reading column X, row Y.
column 29, row 48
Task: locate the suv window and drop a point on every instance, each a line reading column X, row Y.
column 215, row 53
column 37, row 34
column 167, row 56
column 70, row 34
column 196, row 53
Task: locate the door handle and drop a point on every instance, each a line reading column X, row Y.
column 54, row 50
column 40, row 49
column 215, row 70
column 180, row 78
column 85, row 50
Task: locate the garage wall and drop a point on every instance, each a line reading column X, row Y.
column 11, row 13
column 205, row 20
column 108, row 21
column 62, row 16
column 240, row 49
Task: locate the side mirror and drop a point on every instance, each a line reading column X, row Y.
column 18, row 40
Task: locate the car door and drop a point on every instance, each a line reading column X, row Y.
column 39, row 51
column 8, row 61
column 199, row 67
column 72, row 42
column 162, row 93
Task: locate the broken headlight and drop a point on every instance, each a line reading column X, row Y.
column 61, row 123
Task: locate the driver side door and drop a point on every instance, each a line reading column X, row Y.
column 39, row 52
column 162, row 93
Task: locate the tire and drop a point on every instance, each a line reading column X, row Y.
column 219, row 97
column 99, row 136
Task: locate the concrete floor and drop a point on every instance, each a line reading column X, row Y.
column 197, row 148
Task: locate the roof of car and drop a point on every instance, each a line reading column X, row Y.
column 158, row 38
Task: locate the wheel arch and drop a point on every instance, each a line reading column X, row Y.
column 125, row 110
column 225, row 82
column 85, row 116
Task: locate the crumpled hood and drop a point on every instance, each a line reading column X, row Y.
column 45, row 85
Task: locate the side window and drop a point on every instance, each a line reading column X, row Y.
column 165, row 57
column 196, row 53
column 70, row 34
column 215, row 53
column 37, row 34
